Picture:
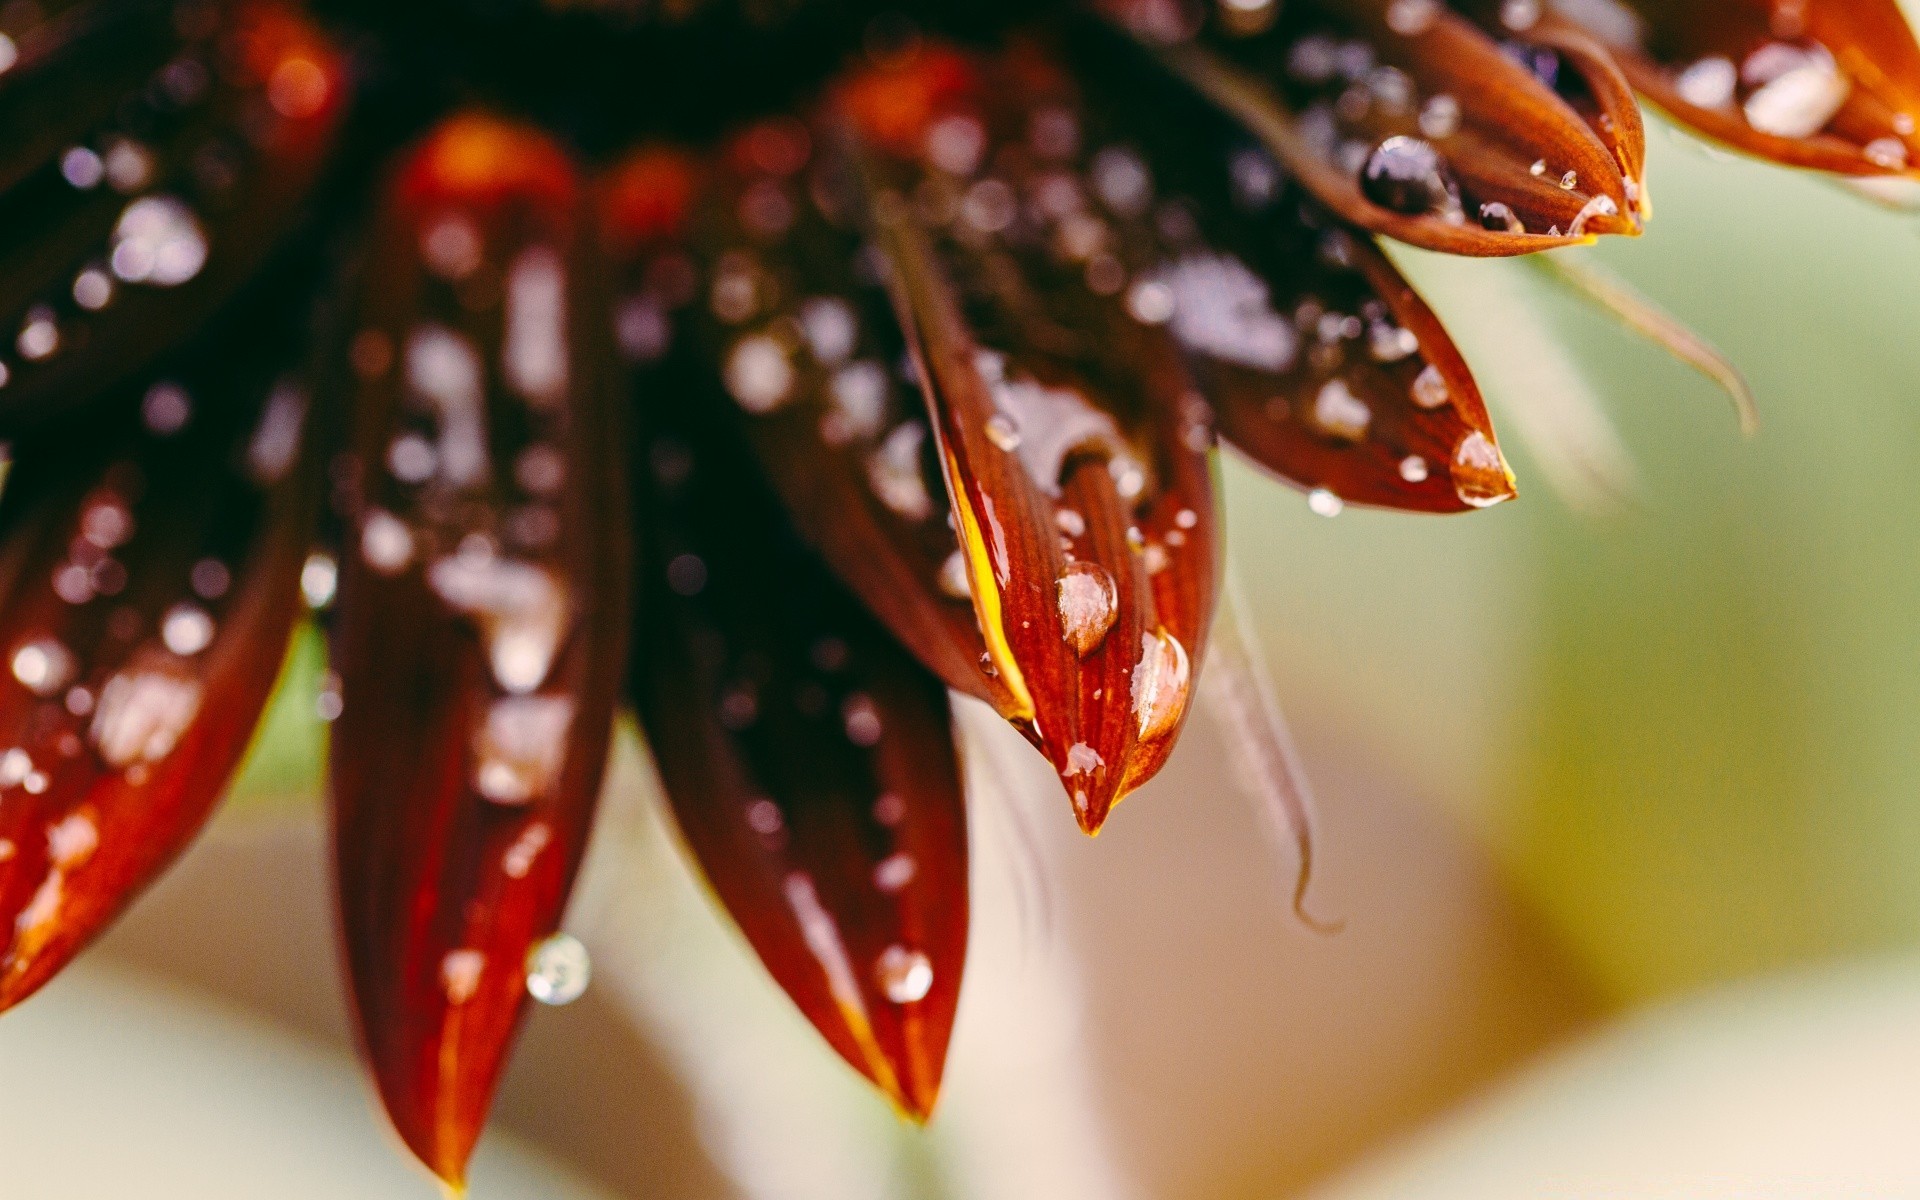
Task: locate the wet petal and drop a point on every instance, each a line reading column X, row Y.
column 1405, row 119
column 782, row 299
column 149, row 567
column 1829, row 84
column 809, row 758
column 158, row 162
column 1321, row 361
column 481, row 619
column 1076, row 453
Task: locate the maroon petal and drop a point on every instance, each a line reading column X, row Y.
column 809, row 758
column 156, row 156
column 1074, row 449
column 149, row 579
column 1828, row 84
column 773, row 291
column 481, row 620
column 1405, row 119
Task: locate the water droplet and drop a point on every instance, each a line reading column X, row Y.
column 1160, row 684
column 319, row 578
column 1082, row 759
column 520, row 607
column 141, row 714
column 1480, row 474
column 186, row 629
column 1708, row 82
column 1337, row 411
column 385, row 543
column 1430, row 388
column 1324, row 503
column 519, row 748
column 158, row 239
column 894, row 872
column 905, row 976
column 44, row 666
column 1413, row 469
column 460, row 974
column 1799, row 101
column 1002, row 432
column 1150, row 302
column 861, row 718
column 558, row 970
column 758, row 374
column 1407, row 175
column 1089, row 605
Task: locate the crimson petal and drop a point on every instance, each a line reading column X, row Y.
column 1076, row 454
column 154, row 161
column 808, row 349
column 1321, row 361
column 808, row 757
column 1828, row 84
column 481, row 618
column 148, row 585
column 1405, row 119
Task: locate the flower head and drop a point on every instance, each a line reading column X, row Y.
column 783, row 395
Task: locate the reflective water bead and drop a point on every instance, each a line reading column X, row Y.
column 1089, row 604
column 558, row 970
column 905, row 976
column 1407, row 175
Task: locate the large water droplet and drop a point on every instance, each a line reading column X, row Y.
column 1480, row 474
column 1089, row 604
column 1409, row 176
column 558, row 970
column 1160, row 683
column 43, row 666
column 904, row 975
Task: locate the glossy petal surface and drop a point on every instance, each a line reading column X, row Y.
column 1075, row 452
column 1405, row 119
column 1828, row 84
column 149, row 566
column 153, row 160
column 481, row 619
column 1319, row 359
column 778, row 295
column 808, row 756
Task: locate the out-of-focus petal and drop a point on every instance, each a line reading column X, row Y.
column 1320, row 360
column 1407, row 120
column 809, row 758
column 783, row 300
column 481, row 622
column 1828, row 84
column 149, row 568
column 1075, row 451
column 155, row 157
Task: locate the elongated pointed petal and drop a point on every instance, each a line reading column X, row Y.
column 781, row 298
column 148, row 585
column 154, row 160
column 1405, row 119
column 1829, row 84
column 808, row 757
column 1320, row 360
column 481, row 620
column 1074, row 449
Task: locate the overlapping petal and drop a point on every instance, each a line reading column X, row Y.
column 481, row 622
column 809, row 758
column 1405, row 119
column 1828, row 84
column 1075, row 452
column 780, row 297
column 148, row 584
column 155, row 156
column 1320, row 360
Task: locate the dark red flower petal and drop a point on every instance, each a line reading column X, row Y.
column 1320, row 360
column 778, row 296
column 1405, row 119
column 808, row 757
column 1076, row 453
column 148, row 585
column 155, row 156
column 1829, row 84
column 481, row 620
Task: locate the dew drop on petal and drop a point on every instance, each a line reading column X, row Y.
column 558, row 970
column 1324, row 503
column 1089, row 605
column 1480, row 474
column 905, row 976
column 43, row 666
column 1160, row 684
column 894, row 872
